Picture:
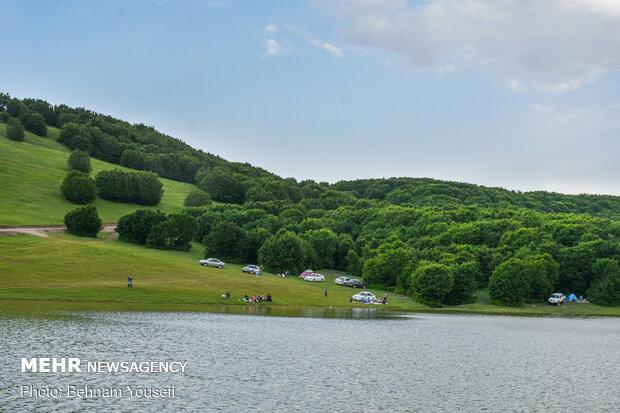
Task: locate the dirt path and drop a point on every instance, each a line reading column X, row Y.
column 42, row 230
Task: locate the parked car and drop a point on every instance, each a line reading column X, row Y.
column 314, row 277
column 341, row 280
column 557, row 299
column 355, row 283
column 252, row 269
column 212, row 262
column 368, row 297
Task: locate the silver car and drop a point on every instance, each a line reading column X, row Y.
column 212, row 262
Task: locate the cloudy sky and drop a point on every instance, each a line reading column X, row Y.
column 522, row 94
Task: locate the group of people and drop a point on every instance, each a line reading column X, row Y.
column 284, row 274
column 257, row 298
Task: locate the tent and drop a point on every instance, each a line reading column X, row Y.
column 306, row 273
column 571, row 297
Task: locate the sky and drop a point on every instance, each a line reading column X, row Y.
column 519, row 94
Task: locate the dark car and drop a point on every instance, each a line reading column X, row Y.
column 355, row 283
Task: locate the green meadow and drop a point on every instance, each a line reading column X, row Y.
column 92, row 274
column 32, row 171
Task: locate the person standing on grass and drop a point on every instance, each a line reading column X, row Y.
column 385, row 298
column 130, row 281
column 326, row 292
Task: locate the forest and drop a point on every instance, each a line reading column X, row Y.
column 436, row 241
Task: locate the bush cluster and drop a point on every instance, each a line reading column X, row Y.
column 78, row 187
column 143, row 188
column 83, row 221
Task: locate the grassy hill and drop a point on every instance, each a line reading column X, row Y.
column 31, row 173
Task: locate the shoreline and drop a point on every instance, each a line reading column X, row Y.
column 345, row 311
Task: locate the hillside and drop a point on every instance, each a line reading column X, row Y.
column 31, row 173
column 438, row 242
column 142, row 147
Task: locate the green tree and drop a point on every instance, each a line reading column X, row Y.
column 508, row 284
column 80, row 161
column 197, row 198
column 225, row 241
column 324, row 242
column 4, row 117
column 464, row 283
column 354, row 264
column 15, row 130
column 284, row 251
column 83, row 221
column 78, row 187
column 605, row 290
column 136, row 227
column 176, row 232
column 14, row 107
column 76, row 136
column 431, row 283
column 33, row 122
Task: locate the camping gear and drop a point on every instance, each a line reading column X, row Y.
column 306, row 273
column 571, row 297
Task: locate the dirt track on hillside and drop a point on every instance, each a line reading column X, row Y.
column 42, row 230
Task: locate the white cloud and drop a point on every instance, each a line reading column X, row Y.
column 541, row 108
column 333, row 50
column 548, row 45
column 272, row 48
column 446, row 69
column 270, row 28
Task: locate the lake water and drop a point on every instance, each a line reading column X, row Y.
column 352, row 362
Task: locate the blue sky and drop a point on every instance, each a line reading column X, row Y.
column 519, row 94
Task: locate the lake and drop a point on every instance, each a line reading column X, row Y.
column 347, row 361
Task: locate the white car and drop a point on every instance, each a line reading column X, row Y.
column 252, row 269
column 557, row 299
column 368, row 297
column 314, row 277
column 341, row 280
column 211, row 262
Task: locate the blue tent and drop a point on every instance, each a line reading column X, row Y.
column 571, row 297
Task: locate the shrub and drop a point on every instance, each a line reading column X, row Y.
column 136, row 227
column 76, row 136
column 14, row 107
column 78, row 187
column 175, row 232
column 4, row 117
column 80, row 161
column 15, row 130
column 197, row 198
column 83, row 221
column 143, row 188
column 33, row 122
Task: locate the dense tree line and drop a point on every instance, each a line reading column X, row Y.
column 440, row 256
column 143, row 188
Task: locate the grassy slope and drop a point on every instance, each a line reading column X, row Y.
column 31, row 173
column 68, row 268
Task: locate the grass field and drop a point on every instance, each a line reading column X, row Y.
column 92, row 272
column 31, row 173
